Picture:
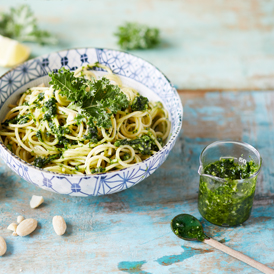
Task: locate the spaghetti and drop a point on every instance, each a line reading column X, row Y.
column 49, row 130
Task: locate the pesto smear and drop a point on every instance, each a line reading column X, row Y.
column 228, row 202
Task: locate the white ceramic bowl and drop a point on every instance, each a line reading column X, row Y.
column 134, row 71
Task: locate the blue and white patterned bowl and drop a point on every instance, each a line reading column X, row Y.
column 130, row 67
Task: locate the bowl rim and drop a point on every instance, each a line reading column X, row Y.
column 169, row 143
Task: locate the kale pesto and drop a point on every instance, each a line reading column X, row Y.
column 50, row 108
column 144, row 144
column 140, row 103
column 43, row 161
column 187, row 227
column 227, row 202
column 19, row 120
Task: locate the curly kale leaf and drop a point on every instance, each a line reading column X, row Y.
column 43, row 161
column 97, row 100
column 139, row 103
column 20, row 24
column 74, row 88
column 137, row 36
column 80, row 118
column 144, row 144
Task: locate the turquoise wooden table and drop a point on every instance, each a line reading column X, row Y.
column 207, row 46
column 129, row 232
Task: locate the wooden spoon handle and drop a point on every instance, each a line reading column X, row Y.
column 240, row 256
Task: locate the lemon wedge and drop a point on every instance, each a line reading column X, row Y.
column 12, row 52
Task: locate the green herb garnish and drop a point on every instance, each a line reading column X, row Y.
column 20, row 24
column 137, row 36
column 96, row 101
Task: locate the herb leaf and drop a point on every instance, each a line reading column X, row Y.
column 137, row 36
column 97, row 100
column 20, row 24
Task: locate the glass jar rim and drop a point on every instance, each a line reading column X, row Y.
column 250, row 147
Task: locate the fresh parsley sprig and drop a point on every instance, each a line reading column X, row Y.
column 21, row 24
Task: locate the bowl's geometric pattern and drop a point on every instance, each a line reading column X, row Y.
column 121, row 63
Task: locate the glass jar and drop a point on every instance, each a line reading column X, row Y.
column 227, row 201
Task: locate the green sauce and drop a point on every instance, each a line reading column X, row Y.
column 227, row 203
column 188, row 227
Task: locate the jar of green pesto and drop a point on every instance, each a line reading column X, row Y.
column 228, row 175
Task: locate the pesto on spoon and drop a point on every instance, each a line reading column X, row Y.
column 187, row 227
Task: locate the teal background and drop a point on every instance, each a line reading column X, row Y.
column 205, row 44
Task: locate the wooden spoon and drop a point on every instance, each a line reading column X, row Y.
column 189, row 228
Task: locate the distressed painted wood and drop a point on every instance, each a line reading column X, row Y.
column 129, row 232
column 212, row 44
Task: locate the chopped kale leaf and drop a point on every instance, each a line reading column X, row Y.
column 139, row 103
column 125, row 157
column 92, row 135
column 19, row 120
column 144, row 145
column 41, row 161
column 50, row 108
column 41, row 96
column 39, row 135
column 60, row 132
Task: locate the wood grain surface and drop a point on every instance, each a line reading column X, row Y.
column 129, row 232
column 209, row 44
